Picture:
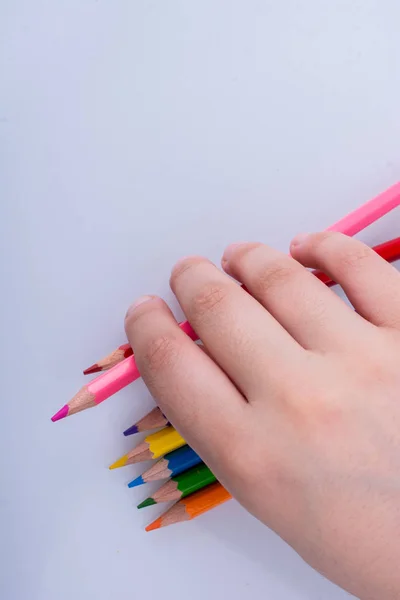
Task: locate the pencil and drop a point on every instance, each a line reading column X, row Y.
column 153, row 446
column 124, row 351
column 107, row 384
column 181, row 486
column 153, row 420
column 368, row 213
column 390, row 251
column 126, row 372
column 110, row 360
column 193, row 506
column 171, row 464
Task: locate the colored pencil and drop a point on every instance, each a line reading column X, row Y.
column 181, row 486
column 390, row 251
column 107, row 384
column 124, row 351
column 153, row 420
column 154, row 445
column 193, row 506
column 171, row 464
column 110, row 360
column 126, row 372
column 368, row 213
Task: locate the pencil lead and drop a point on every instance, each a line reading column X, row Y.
column 154, row 525
column 61, row 414
column 131, row 430
column 121, row 462
column 93, row 369
column 147, row 502
column 138, row 481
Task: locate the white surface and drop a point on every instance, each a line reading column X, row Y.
column 133, row 132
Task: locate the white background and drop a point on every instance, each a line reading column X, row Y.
column 133, row 132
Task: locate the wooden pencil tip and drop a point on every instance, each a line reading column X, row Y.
column 154, row 525
column 93, row 369
column 121, row 462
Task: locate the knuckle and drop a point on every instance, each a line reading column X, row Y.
column 354, row 259
column 273, row 276
column 160, row 352
column 348, row 254
column 209, row 299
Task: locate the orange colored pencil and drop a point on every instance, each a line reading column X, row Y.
column 193, row 506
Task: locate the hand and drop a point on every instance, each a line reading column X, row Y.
column 296, row 404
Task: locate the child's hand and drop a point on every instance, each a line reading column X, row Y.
column 296, row 404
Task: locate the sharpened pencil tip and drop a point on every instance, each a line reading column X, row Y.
column 93, row 369
column 147, row 502
column 121, row 462
column 61, row 414
column 154, row 525
column 138, row 481
column 131, row 430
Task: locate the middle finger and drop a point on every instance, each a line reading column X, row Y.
column 242, row 337
column 307, row 309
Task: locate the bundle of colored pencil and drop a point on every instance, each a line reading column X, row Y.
column 190, row 483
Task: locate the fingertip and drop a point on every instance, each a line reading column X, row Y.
column 234, row 253
column 298, row 241
column 138, row 302
column 182, row 265
column 138, row 308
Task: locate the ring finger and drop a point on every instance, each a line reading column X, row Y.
column 305, row 307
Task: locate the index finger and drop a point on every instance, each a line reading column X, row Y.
column 192, row 391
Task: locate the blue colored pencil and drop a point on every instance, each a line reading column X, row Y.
column 170, row 465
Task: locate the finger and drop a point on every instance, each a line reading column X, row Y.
column 306, row 308
column 192, row 391
column 370, row 283
column 246, row 341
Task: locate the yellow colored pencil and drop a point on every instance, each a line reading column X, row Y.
column 154, row 445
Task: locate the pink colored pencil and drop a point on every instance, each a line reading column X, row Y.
column 126, row 372
column 368, row 213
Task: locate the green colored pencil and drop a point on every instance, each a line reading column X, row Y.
column 181, row 485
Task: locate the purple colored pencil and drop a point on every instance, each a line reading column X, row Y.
column 153, row 420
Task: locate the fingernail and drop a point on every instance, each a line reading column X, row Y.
column 137, row 302
column 183, row 259
column 299, row 240
column 230, row 250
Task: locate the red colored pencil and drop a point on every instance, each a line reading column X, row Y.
column 110, row 360
column 390, row 251
column 125, row 351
